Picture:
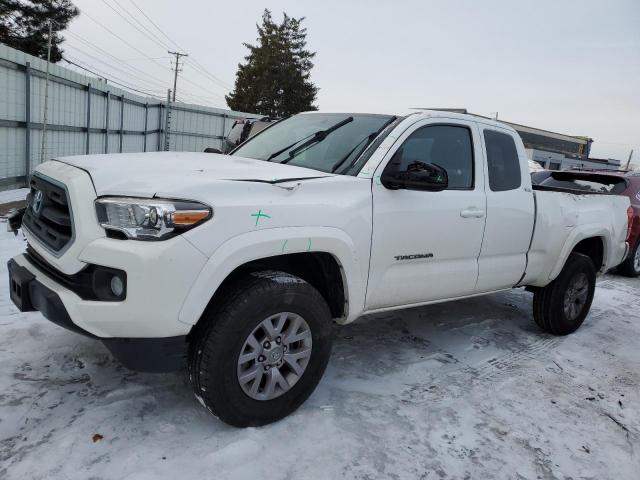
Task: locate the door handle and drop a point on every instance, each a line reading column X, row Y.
column 472, row 212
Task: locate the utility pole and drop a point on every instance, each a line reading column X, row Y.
column 176, row 70
column 167, row 122
column 43, row 143
column 629, row 160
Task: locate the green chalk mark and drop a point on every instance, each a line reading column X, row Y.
column 309, row 246
column 259, row 215
column 284, row 245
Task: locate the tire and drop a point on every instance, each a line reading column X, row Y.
column 631, row 266
column 575, row 285
column 238, row 324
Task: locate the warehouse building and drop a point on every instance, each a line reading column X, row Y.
column 555, row 151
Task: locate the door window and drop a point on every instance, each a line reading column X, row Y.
column 502, row 161
column 444, row 145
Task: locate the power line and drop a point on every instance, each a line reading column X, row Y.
column 138, row 77
column 198, row 98
column 124, row 9
column 137, row 59
column 193, row 60
column 104, row 52
column 120, row 38
column 155, row 25
column 201, row 87
column 156, row 41
column 136, row 49
column 144, row 54
column 110, row 79
column 205, row 72
column 101, row 51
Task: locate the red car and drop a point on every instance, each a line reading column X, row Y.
column 607, row 181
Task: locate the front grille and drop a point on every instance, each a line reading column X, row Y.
column 48, row 215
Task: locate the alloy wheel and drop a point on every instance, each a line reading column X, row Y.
column 274, row 356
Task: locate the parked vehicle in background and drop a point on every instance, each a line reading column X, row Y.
column 535, row 166
column 242, row 130
column 241, row 262
column 625, row 183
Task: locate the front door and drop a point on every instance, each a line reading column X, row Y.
column 425, row 244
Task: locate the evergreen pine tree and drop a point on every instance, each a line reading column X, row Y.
column 275, row 80
column 24, row 25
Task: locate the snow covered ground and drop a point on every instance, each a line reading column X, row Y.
column 464, row 390
column 13, row 195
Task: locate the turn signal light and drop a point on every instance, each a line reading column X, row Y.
column 629, row 222
column 188, row 217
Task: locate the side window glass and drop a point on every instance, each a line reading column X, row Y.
column 502, row 161
column 445, row 145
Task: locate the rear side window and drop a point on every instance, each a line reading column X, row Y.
column 502, row 161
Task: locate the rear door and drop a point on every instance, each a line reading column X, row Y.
column 425, row 244
column 510, row 210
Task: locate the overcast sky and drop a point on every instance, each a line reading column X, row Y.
column 566, row 66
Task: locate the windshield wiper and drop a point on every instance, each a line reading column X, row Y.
column 369, row 139
column 315, row 138
column 275, row 154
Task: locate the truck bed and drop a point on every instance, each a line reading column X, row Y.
column 564, row 217
column 578, row 183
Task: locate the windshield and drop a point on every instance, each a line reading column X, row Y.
column 329, row 142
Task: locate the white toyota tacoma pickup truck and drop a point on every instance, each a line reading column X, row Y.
column 240, row 263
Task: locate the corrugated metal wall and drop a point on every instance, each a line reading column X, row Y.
column 86, row 115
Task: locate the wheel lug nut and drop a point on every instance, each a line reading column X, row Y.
column 266, row 345
column 284, row 349
column 278, row 340
column 267, row 367
column 262, row 358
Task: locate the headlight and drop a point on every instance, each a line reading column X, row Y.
column 150, row 219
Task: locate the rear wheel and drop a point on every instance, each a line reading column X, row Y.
column 561, row 307
column 631, row 266
column 262, row 351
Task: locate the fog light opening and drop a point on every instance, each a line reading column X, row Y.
column 117, row 286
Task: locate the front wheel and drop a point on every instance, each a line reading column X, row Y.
column 561, row 307
column 262, row 351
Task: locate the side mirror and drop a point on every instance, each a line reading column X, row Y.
column 212, row 150
column 418, row 176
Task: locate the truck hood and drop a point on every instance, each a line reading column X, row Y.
column 146, row 174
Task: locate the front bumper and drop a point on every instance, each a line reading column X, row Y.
column 159, row 276
column 141, row 354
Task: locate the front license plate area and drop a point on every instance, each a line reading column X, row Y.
column 19, row 280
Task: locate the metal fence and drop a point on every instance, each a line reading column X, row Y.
column 86, row 116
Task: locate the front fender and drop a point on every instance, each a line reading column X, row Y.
column 256, row 245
